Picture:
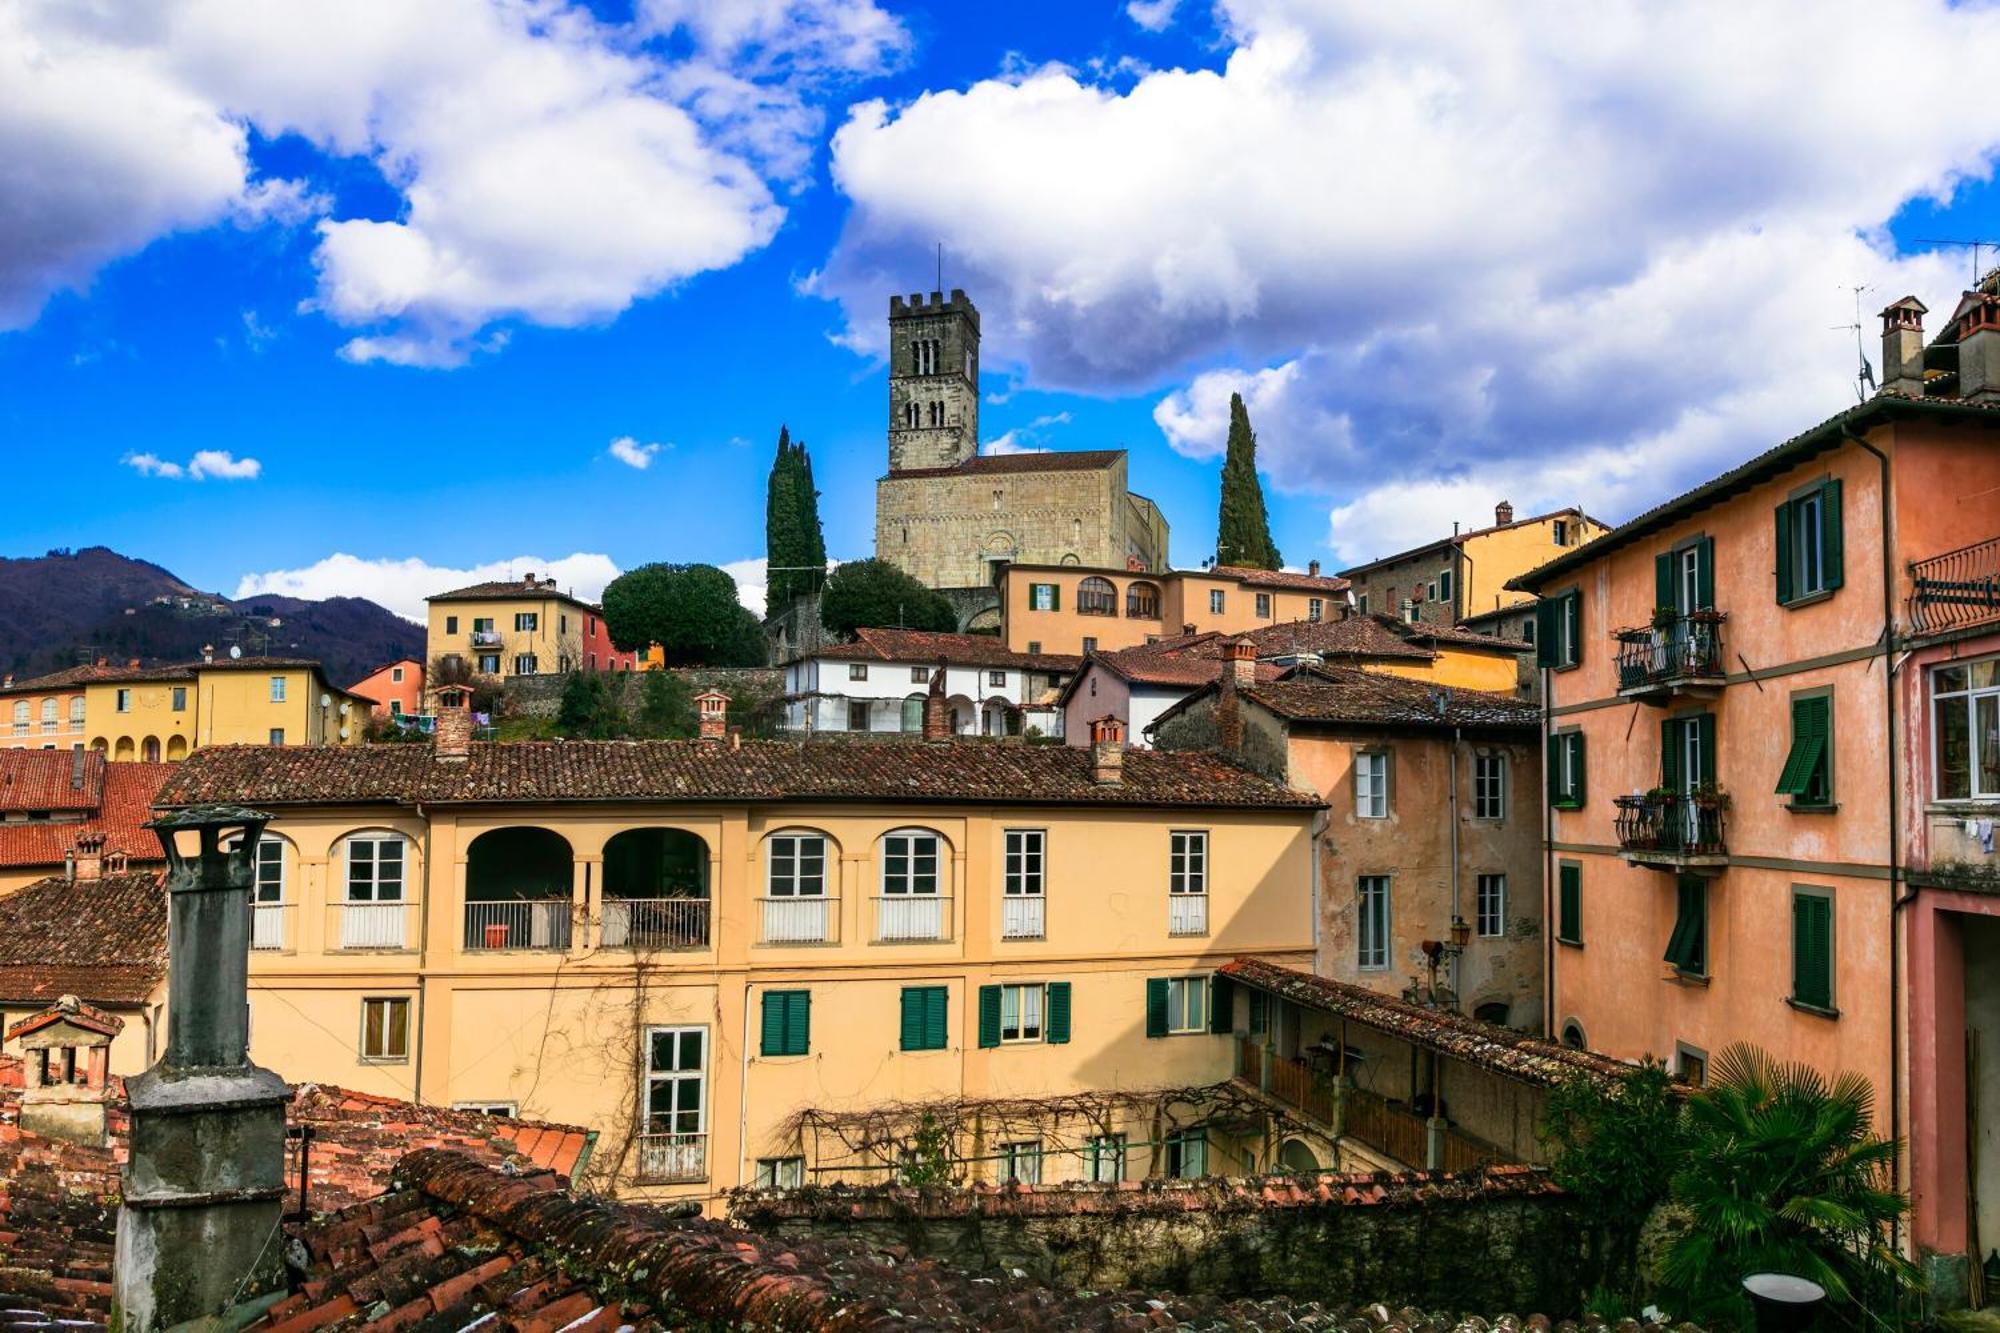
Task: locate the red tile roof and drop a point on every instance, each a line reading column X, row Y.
column 51, row 780
column 1344, row 695
column 107, row 674
column 508, row 589
column 519, row 772
column 1075, row 460
column 922, row 647
column 102, row 940
column 1460, row 538
column 125, row 801
column 1279, row 578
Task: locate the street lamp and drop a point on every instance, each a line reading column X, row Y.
column 1436, row 951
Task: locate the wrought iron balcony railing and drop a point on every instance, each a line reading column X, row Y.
column 518, row 923
column 1956, row 589
column 1672, row 824
column 1684, row 648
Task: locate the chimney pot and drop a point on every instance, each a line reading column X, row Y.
column 1312, row 568
column 712, row 714
column 937, row 716
column 453, row 739
column 1242, row 663
column 1107, row 750
column 1903, row 348
column 1503, row 513
column 89, row 856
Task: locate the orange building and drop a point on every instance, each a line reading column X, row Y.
column 395, row 688
column 1075, row 610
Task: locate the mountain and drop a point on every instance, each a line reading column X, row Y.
column 68, row 606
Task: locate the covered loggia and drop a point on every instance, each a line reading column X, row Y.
column 517, row 890
column 656, row 890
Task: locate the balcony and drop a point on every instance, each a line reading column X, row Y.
column 485, row 638
column 271, row 928
column 1957, row 589
column 1187, row 914
column 673, row 924
column 373, row 926
column 912, row 918
column 805, row 919
column 1022, row 917
column 1674, row 830
column 519, row 923
column 666, row 1158
column 1679, row 655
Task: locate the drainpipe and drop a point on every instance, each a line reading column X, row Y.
column 742, row 1092
column 1451, row 770
column 1548, row 872
column 423, row 964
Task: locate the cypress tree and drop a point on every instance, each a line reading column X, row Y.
column 794, row 546
column 809, row 528
column 1243, row 531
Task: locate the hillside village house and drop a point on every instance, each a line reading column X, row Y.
column 520, row 627
column 161, row 713
column 1773, row 731
column 1137, row 685
column 689, row 946
column 879, row 682
column 1048, row 608
column 395, row 689
column 53, row 800
column 1467, row 574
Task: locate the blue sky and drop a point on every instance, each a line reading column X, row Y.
column 425, row 266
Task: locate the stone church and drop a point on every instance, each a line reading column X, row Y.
column 950, row 515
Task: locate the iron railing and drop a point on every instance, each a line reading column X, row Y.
column 271, row 929
column 671, row 1157
column 377, row 924
column 654, row 923
column 1022, row 917
column 1187, row 914
column 522, row 923
column 1673, row 823
column 1688, row 647
column 800, row 919
column 912, row 916
column 1956, row 589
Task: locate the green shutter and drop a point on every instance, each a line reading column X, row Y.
column 1812, row 950
column 913, row 1018
column 773, row 1039
column 935, row 1025
column 1156, row 1006
column 786, row 1026
column 1545, row 633
column 1569, row 879
column 1688, row 947
column 1829, row 523
column 1555, row 769
column 989, row 1016
column 1808, row 746
column 1784, row 543
column 1670, row 754
column 1221, row 1005
column 1576, row 786
column 1704, row 574
column 798, row 1030
column 924, row 1027
column 1704, row 727
column 1664, row 569
column 1055, row 1022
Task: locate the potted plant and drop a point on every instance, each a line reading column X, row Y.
column 1709, row 796
column 1664, row 617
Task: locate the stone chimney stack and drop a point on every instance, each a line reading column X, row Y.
column 204, row 1188
column 937, row 714
column 1979, row 353
column 454, row 725
column 1903, row 347
column 66, row 1063
column 1107, row 751
column 87, row 857
column 1242, row 663
column 1503, row 513
column 712, row 712
column 1312, row 568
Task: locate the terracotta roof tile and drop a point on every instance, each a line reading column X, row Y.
column 1280, row 578
column 1342, row 694
column 51, row 779
column 973, row 770
column 501, row 589
column 924, row 648
column 102, row 940
column 125, row 801
column 108, row 674
column 1460, row 538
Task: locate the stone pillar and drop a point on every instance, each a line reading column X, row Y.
column 204, row 1187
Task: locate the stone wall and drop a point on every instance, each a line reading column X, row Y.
column 1508, row 1240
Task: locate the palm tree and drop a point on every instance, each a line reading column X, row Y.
column 1784, row 1175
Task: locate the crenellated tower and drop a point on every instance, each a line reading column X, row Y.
column 933, row 381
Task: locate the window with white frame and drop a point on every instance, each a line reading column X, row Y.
column 1187, row 1154
column 1215, row 601
column 489, row 664
column 504, row 1110
column 798, row 866
column 179, row 699
column 1371, row 784
column 1965, row 709
column 277, row 689
column 1041, row 596
column 1489, row 786
column 1315, row 609
column 1371, row 900
column 76, row 713
column 910, row 863
column 1104, row 1158
column 124, row 701
column 1187, row 1004
column 1021, row 1013
column 21, row 712
column 527, row 621
column 1025, row 852
column 1263, row 606
column 1021, row 1162
column 375, row 869
column 781, row 1173
column 1492, row 906
column 676, row 1083
column 49, row 715
column 857, row 671
column 525, row 664
column 1187, row 861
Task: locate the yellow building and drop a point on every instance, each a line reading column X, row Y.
column 161, row 713
column 524, row 627
column 772, row 962
column 1073, row 609
column 1464, row 576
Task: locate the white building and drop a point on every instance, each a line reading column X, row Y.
column 878, row 683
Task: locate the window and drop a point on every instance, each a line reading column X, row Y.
column 1043, row 597
column 48, row 715
column 798, row 866
column 503, row 1110
column 676, row 1084
column 1021, row 1162
column 909, row 863
column 525, row 664
column 482, row 624
column 1315, row 609
column 375, row 869
column 1444, row 585
column 1489, row 786
column 396, row 675
column 124, row 701
column 1013, row 1015
column 1024, row 856
column 920, row 675
column 277, row 689
column 1371, row 784
column 180, row 698
column 1142, row 601
column 857, row 715
column 1566, row 770
column 1527, row 631
column 923, row 1018
column 1965, row 700
column 21, row 716
column 1812, row 949
column 1809, row 543
column 527, row 621
column 1089, row 644
column 1187, row 1155
column 489, row 664
column 1687, row 948
column 1690, row 1065
column 1371, row 898
column 857, row 671
column 562, row 623
column 1808, row 773
column 1492, row 905
column 1263, row 606
column 787, row 1023
column 1034, row 645
column 1096, row 597
column 1187, row 861
column 1559, row 631
column 395, row 708
column 1411, row 615
column 1560, row 532
column 1684, row 578
column 451, row 624
column 385, row 1030
column 1215, row 601
column 1493, row 1011
column 1569, row 903
column 1361, row 604
column 1176, row 1005
column 277, row 736
column 76, row 713
column 781, row 1173
column 1104, row 1158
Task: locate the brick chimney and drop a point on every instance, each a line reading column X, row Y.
column 204, row 1189
column 1107, row 751
column 1312, row 568
column 712, row 713
column 453, row 742
column 66, row 1068
column 1903, row 347
column 86, row 857
column 1242, row 657
column 1503, row 513
column 937, row 714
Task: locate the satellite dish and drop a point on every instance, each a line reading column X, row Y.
column 236, row 650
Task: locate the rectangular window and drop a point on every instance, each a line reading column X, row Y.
column 1187, row 1155
column 1263, row 606
column 1492, row 906
column 1043, row 597
column 124, row 701
column 781, row 1173
column 1809, row 543
column 920, row 675
column 1187, row 861
column 451, row 624
column 1559, row 631
column 996, row 680
column 525, row 664
column 1687, row 948
column 1025, row 849
column 1371, row 784
column 385, row 1030
column 1020, row 1013
column 526, row 621
column 1965, row 703
column 1371, row 898
column 1104, row 1158
column 1690, row 1065
column 1034, row 645
column 924, row 1017
column 1176, row 1005
column 1569, row 903
column 562, row 623
column 277, row 689
column 396, row 675
column 798, row 865
column 857, row 671
column 909, row 864
column 1812, row 948
column 180, row 699
column 1444, row 585
column 857, row 715
column 1215, row 601
column 1361, row 604
column 277, row 735
column 1315, row 609
column 375, row 870
column 787, row 1022
column 482, row 624
column 489, row 664
column 1808, row 773
column 504, row 1110
column 1021, row 1162
column 395, row 708
column 1566, row 774
column 1089, row 644
column 672, row 1147
column 1489, row 786
column 1024, row 1013
column 1559, row 531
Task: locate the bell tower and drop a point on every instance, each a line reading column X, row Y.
column 933, row 381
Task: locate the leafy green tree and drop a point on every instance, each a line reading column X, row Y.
column 1616, row 1147
column 1243, row 530
column 1783, row 1173
column 666, row 708
column 592, row 707
column 874, row 593
column 691, row 611
column 794, row 547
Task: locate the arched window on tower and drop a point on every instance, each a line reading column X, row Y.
column 911, row 415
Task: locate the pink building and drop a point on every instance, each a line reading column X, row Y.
column 598, row 654
column 395, row 688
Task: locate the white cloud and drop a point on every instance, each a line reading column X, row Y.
column 750, row 582
column 632, row 453
column 1152, row 15
column 1026, row 439
column 402, row 584
column 1451, row 260
column 206, row 463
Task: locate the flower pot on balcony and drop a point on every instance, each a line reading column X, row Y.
column 496, row 935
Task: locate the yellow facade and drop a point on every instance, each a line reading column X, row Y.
column 167, row 713
column 1454, row 578
column 1458, row 668
column 562, row 1028
column 519, row 630
column 1144, row 607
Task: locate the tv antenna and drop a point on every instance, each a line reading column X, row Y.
column 1864, row 378
column 940, row 258
column 1991, row 247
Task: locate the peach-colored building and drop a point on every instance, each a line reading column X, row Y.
column 1773, row 743
column 395, row 688
column 1077, row 610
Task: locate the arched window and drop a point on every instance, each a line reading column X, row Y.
column 20, row 717
column 798, row 906
column 913, row 713
column 372, row 906
column 1096, row 597
column 76, row 713
column 1572, row 1036
column 1142, row 601
column 912, row 904
column 177, row 748
column 150, row 751
column 270, row 891
column 48, row 715
column 656, row 890
column 1493, row 1011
